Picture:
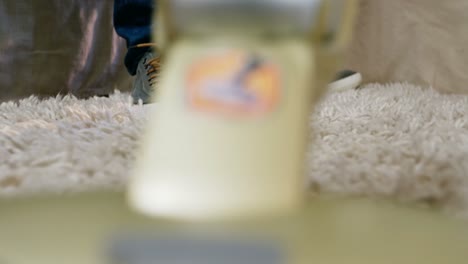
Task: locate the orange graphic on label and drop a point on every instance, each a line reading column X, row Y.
column 233, row 83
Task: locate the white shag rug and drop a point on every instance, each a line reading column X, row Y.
column 397, row 140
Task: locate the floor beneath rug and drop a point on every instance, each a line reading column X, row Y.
column 397, row 140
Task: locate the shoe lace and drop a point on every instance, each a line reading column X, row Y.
column 152, row 66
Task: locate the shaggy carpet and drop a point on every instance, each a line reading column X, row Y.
column 398, row 141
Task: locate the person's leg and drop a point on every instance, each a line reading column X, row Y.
column 133, row 22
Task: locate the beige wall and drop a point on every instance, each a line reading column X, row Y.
column 419, row 41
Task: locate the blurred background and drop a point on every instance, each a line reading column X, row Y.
column 54, row 46
column 70, row 46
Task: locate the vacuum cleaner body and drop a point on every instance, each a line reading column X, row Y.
column 240, row 77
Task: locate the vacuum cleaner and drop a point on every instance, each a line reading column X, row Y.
column 220, row 175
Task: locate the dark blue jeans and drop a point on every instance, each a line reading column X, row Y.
column 133, row 22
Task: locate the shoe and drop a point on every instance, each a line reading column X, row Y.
column 345, row 80
column 146, row 76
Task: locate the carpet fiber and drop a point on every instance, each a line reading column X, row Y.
column 398, row 141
